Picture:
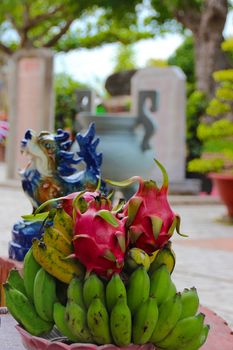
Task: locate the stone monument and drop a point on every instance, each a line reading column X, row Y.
column 31, row 100
column 169, row 141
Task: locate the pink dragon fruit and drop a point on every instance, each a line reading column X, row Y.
column 84, row 197
column 67, row 202
column 151, row 222
column 99, row 235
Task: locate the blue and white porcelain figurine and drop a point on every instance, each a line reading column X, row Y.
column 54, row 171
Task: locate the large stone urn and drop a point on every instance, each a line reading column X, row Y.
column 125, row 139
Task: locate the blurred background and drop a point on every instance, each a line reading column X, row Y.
column 98, row 45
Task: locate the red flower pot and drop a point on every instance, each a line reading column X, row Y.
column 224, row 184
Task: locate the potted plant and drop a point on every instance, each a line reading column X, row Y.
column 216, row 133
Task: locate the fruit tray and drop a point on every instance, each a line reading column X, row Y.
column 55, row 342
column 220, row 337
column 101, row 274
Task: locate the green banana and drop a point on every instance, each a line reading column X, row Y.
column 121, row 323
column 24, row 312
column 144, row 321
column 197, row 342
column 57, row 240
column 115, row 289
column 136, row 257
column 93, row 288
column 44, row 294
column 75, row 292
column 165, row 256
column 172, row 290
column 98, row 322
column 138, row 288
column 30, row 269
column 76, row 319
column 184, row 331
column 63, row 223
column 169, row 315
column 160, row 283
column 16, row 281
column 60, row 322
column 55, row 262
column 190, row 302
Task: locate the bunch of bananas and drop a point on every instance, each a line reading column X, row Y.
column 140, row 310
column 140, row 305
column 144, row 308
column 54, row 251
column 30, row 299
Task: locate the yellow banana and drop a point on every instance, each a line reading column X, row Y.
column 184, row 331
column 98, row 322
column 190, row 302
column 153, row 255
column 24, row 312
column 30, row 269
column 57, row 240
column 166, row 256
column 16, row 281
column 63, row 223
column 115, row 289
column 44, row 294
column 136, row 257
column 60, row 322
column 138, row 288
column 55, row 263
column 121, row 323
column 93, row 288
column 76, row 318
column 160, row 283
column 144, row 321
column 169, row 314
column 75, row 291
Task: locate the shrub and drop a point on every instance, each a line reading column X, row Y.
column 216, row 130
column 195, row 108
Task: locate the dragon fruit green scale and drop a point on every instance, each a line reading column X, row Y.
column 151, row 221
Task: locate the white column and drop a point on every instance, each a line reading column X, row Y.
column 31, row 101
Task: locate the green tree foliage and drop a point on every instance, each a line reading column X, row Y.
column 206, row 20
column 125, row 58
column 156, row 62
column 169, row 13
column 195, row 109
column 183, row 57
column 65, row 103
column 67, row 24
column 216, row 130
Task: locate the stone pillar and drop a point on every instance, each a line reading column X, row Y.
column 169, row 140
column 31, row 100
